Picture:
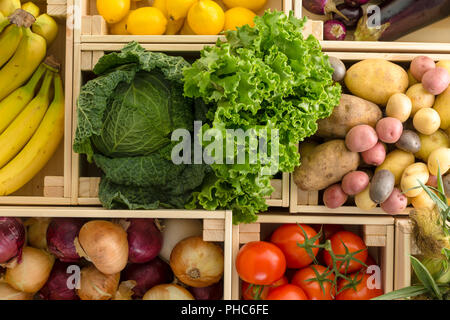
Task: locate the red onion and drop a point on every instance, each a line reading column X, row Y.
column 147, row 275
column 61, row 234
column 56, row 287
column 144, row 240
column 356, row 3
column 334, row 30
column 12, row 239
column 212, row 292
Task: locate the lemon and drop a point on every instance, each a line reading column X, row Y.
column 161, row 5
column 146, row 20
column 120, row 28
column 206, row 17
column 186, row 30
column 113, row 10
column 178, row 9
column 173, row 26
column 253, row 5
column 237, row 17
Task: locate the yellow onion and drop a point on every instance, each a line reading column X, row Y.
column 95, row 285
column 197, row 263
column 125, row 291
column 37, row 232
column 168, row 292
column 32, row 272
column 104, row 244
column 9, row 293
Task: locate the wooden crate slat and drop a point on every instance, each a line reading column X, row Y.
column 214, row 235
column 213, row 224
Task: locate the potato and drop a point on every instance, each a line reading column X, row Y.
column 420, row 65
column 422, row 201
column 350, row 112
column 338, row 67
column 306, row 148
column 426, row 121
column 326, row 165
column 411, row 80
column 334, row 196
column 409, row 141
column 396, row 161
column 355, row 182
column 399, row 106
column 420, row 98
column 363, row 201
column 439, row 158
column 442, row 106
column 375, row 155
column 396, row 202
column 432, row 181
column 444, row 64
column 436, row 80
column 361, row 138
column 389, row 129
column 446, row 181
column 381, row 186
column 429, row 143
column 410, row 177
column 376, row 80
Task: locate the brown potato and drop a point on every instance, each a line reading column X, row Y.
column 326, row 165
column 350, row 112
column 420, row 98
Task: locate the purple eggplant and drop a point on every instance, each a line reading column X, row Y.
column 400, row 17
column 355, row 3
column 334, row 30
column 322, row 7
column 352, row 13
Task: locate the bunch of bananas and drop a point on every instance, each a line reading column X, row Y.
column 31, row 94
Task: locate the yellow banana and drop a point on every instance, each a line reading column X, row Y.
column 12, row 105
column 23, row 127
column 46, row 27
column 39, row 149
column 7, row 7
column 31, row 8
column 23, row 63
column 9, row 41
column 4, row 22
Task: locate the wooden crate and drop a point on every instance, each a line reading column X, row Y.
column 310, row 201
column 434, row 38
column 95, row 30
column 60, row 164
column 404, row 248
column 377, row 232
column 221, row 218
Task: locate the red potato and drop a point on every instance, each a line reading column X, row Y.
column 389, row 129
column 355, row 182
column 432, row 181
column 375, row 155
column 396, row 202
column 420, row 65
column 436, row 80
column 361, row 138
column 334, row 196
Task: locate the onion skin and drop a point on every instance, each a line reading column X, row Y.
column 12, row 239
column 176, row 230
column 37, row 232
column 56, row 286
column 144, row 240
column 61, row 234
column 212, row 292
column 9, row 293
column 95, row 285
column 168, row 292
column 197, row 263
column 147, row 275
column 31, row 274
column 105, row 245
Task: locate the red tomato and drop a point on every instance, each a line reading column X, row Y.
column 254, row 292
column 287, row 292
column 260, row 262
column 278, row 283
column 362, row 292
column 312, row 288
column 287, row 237
column 327, row 229
column 353, row 243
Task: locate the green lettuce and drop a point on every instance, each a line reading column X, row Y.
column 264, row 77
column 126, row 116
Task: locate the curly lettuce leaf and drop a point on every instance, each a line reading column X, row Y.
column 263, row 77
